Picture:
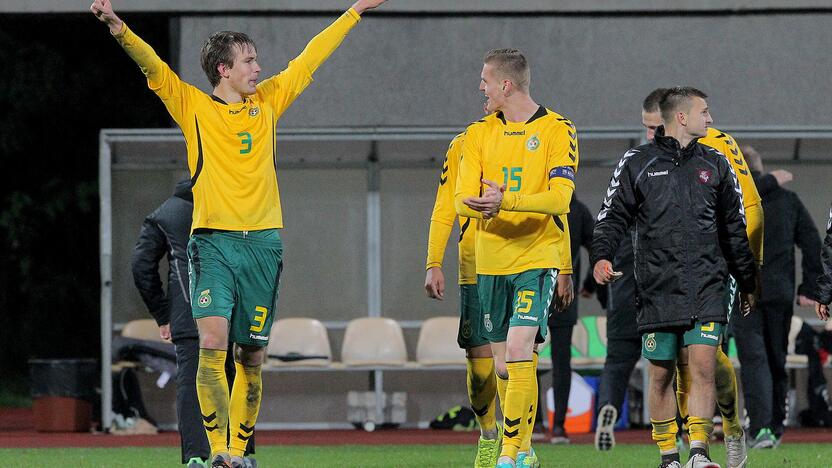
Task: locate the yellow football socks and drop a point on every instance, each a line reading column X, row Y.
column 502, row 385
column 521, row 378
column 664, row 433
column 527, row 429
column 682, row 389
column 699, row 431
column 245, row 404
column 482, row 391
column 726, row 394
column 212, row 391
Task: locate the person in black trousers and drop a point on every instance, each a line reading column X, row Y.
column 762, row 337
column 165, row 232
column 561, row 324
column 623, row 346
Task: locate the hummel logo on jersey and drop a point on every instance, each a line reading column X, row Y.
column 235, row 112
column 656, row 174
column 505, row 133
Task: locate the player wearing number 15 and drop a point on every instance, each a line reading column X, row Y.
column 517, row 175
column 235, row 252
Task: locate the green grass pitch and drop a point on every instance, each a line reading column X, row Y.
column 402, row 456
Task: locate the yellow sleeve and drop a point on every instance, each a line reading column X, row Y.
column 750, row 195
column 564, row 265
column 160, row 78
column 562, row 159
column 755, row 221
column 282, row 89
column 469, row 179
column 444, row 213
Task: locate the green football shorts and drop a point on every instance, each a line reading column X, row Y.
column 470, row 319
column 665, row 345
column 235, row 275
column 518, row 300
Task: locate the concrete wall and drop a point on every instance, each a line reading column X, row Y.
column 405, row 70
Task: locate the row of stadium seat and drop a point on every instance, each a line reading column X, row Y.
column 371, row 342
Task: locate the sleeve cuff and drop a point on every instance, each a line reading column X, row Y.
column 354, row 14
column 123, row 31
column 432, row 265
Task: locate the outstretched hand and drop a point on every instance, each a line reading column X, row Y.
column 363, row 5
column 103, row 10
column 603, row 272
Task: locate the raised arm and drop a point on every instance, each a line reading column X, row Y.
column 160, row 78
column 283, row 88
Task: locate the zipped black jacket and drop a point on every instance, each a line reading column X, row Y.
column 166, row 231
column 685, row 208
column 824, row 288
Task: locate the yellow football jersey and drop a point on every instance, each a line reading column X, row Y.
column 536, row 160
column 444, row 214
column 231, row 147
column 725, row 144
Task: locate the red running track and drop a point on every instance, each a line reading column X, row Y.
column 17, row 431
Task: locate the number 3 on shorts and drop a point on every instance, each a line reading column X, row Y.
column 259, row 318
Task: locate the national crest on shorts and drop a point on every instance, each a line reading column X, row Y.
column 650, row 342
column 466, row 329
column 533, row 143
column 488, row 325
column 704, row 176
column 204, row 299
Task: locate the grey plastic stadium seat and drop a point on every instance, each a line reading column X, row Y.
column 142, row 329
column 299, row 342
column 373, row 341
column 437, row 344
column 791, row 357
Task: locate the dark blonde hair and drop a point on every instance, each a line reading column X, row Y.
column 511, row 64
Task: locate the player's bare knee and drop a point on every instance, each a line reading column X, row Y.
column 249, row 355
column 208, row 340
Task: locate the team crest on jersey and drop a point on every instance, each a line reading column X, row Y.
column 704, row 176
column 650, row 342
column 204, row 298
column 533, row 143
column 253, row 111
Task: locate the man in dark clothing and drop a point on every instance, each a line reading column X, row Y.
column 685, row 205
column 762, row 337
column 166, row 231
column 561, row 324
column 623, row 345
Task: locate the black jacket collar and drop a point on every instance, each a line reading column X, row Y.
column 672, row 145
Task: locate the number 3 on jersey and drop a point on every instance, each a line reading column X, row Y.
column 512, row 174
column 246, row 141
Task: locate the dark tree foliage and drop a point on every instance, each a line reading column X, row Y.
column 65, row 79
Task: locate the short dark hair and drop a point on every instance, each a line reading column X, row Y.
column 675, row 97
column 512, row 64
column 220, row 48
column 651, row 102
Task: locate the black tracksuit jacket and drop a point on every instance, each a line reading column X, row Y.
column 166, row 231
column 685, row 208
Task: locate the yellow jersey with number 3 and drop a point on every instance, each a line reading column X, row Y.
column 231, row 147
column 529, row 158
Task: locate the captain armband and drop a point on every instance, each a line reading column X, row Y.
column 565, row 172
